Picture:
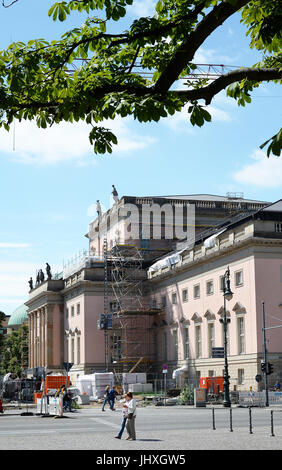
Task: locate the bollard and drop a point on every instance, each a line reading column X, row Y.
column 250, row 420
column 213, row 420
column 271, row 422
column 230, row 413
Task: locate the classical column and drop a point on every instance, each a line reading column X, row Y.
column 43, row 337
column 49, row 336
column 31, row 345
column 29, row 340
column 40, row 337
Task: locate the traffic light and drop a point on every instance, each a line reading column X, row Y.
column 269, row 368
column 263, row 366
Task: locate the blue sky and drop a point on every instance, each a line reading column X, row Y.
column 51, row 178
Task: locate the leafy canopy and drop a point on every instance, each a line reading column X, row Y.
column 133, row 72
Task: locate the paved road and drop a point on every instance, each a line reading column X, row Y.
column 158, row 428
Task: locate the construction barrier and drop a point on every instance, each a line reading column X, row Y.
column 52, row 407
column 252, row 398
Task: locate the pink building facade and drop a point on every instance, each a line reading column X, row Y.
column 63, row 317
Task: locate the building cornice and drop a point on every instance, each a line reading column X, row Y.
column 230, row 249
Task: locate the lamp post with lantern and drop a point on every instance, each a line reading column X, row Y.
column 227, row 295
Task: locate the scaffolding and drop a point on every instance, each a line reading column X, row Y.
column 132, row 342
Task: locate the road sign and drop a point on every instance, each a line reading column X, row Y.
column 68, row 365
column 164, row 369
column 258, row 378
column 218, row 352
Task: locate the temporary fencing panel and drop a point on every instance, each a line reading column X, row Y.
column 54, row 407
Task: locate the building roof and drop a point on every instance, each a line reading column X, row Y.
column 213, row 197
column 275, row 207
column 18, row 316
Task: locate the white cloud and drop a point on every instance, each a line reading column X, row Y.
column 65, row 142
column 264, row 172
column 219, row 115
column 142, row 8
column 14, row 245
column 214, row 56
column 180, row 121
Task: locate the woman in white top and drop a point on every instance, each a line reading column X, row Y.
column 130, row 422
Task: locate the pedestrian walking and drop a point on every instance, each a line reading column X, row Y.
column 124, row 416
column 66, row 398
column 130, row 422
column 106, row 397
column 112, row 397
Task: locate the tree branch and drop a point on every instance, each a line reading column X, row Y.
column 194, row 40
column 208, row 92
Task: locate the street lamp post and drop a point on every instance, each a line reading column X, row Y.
column 227, row 295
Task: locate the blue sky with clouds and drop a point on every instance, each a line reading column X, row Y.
column 51, row 178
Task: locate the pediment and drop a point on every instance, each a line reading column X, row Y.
column 239, row 308
column 209, row 315
column 221, row 312
column 196, row 317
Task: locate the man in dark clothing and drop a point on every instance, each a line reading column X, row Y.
column 112, row 396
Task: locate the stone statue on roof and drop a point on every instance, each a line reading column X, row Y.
column 98, row 209
column 114, row 193
column 30, row 283
column 48, row 271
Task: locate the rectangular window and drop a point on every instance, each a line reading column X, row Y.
column 154, row 303
column 78, row 349
column 198, row 339
column 156, row 352
column 175, row 344
column 221, row 283
column 209, row 287
column 72, row 310
column 241, row 335
column 278, row 227
column 174, row 298
column 227, row 337
column 78, row 309
column 163, row 300
column 72, row 350
column 165, row 346
column 196, row 290
column 185, row 295
column 186, row 343
column 67, row 313
column 210, row 337
column 67, row 350
column 116, row 347
column 241, row 376
column 113, row 306
column 238, row 278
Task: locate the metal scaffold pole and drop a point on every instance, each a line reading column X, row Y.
column 106, row 304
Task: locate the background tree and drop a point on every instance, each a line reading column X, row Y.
column 2, row 318
column 15, row 352
column 36, row 83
